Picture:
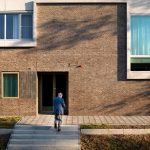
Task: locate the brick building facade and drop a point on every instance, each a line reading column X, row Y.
column 82, row 51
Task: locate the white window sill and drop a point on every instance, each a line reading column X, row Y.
column 138, row 75
column 18, row 43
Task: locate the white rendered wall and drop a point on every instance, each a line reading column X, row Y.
column 16, row 5
column 136, row 6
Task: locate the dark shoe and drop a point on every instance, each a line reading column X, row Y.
column 59, row 129
column 55, row 126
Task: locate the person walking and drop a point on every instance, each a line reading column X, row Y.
column 59, row 106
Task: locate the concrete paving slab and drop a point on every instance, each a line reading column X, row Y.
column 103, row 120
column 80, row 120
column 92, row 120
column 115, row 131
column 97, row 120
column 123, row 120
column 86, row 120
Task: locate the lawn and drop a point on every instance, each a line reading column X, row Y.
column 115, row 142
column 6, row 122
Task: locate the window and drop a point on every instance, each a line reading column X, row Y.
column 10, row 85
column 140, row 35
column 16, row 26
column 140, row 43
column 12, row 27
column 140, row 64
column 26, row 26
column 1, row 26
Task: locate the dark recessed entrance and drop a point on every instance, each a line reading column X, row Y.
column 49, row 84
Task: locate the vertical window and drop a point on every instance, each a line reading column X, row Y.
column 140, row 43
column 26, row 27
column 12, row 27
column 10, row 84
column 140, row 35
column 1, row 26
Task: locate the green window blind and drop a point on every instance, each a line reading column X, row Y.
column 10, row 85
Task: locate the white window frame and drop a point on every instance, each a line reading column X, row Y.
column 20, row 25
column 19, row 42
column 3, row 84
column 134, row 74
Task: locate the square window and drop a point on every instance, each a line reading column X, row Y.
column 10, row 85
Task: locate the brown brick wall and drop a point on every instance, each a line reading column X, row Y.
column 93, row 36
column 28, row 85
column 16, row 107
column 26, row 104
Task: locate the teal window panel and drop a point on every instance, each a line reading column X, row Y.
column 140, row 60
column 10, row 85
column 140, row 35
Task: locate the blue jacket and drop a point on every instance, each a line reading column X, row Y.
column 59, row 105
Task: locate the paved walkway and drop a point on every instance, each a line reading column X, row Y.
column 76, row 120
column 38, row 133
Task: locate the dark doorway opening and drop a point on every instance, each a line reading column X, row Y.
column 49, row 84
column 47, row 91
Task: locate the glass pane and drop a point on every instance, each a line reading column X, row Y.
column 1, row 26
column 10, row 85
column 140, row 60
column 26, row 33
column 26, row 20
column 12, row 27
column 26, row 23
column 140, row 66
column 140, row 35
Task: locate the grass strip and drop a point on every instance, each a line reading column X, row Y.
column 105, row 126
column 115, row 142
column 8, row 122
